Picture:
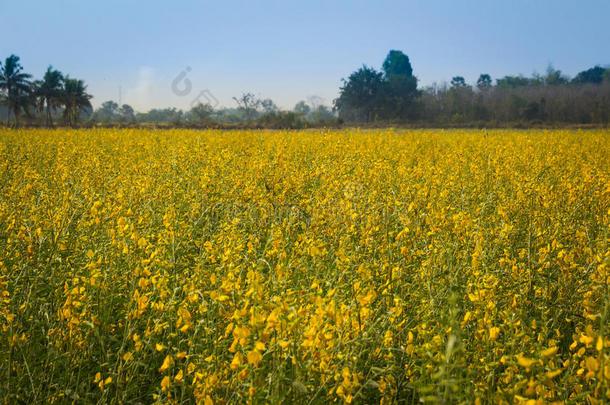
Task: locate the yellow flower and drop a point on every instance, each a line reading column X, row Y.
column 591, row 363
column 236, row 362
column 525, row 362
column 549, row 352
column 128, row 356
column 494, row 332
column 254, row 357
column 167, row 363
column 165, row 383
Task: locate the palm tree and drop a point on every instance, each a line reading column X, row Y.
column 23, row 102
column 75, row 99
column 49, row 91
column 16, row 85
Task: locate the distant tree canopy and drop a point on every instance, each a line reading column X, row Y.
column 49, row 92
column 484, row 81
column 369, row 95
column 53, row 94
column 75, row 100
column 250, row 109
column 549, row 98
column 392, row 95
column 388, row 95
column 555, row 77
column 360, row 95
column 16, row 87
column 397, row 64
column 458, row 82
column 110, row 111
column 513, row 81
column 593, row 75
column 302, row 108
column 202, row 112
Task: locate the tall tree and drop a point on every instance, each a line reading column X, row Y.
column 108, row 112
column 593, row 75
column 359, row 97
column 399, row 89
column 269, row 106
column 302, row 108
column 322, row 113
column 397, row 63
column 16, row 86
column 508, row 82
column 75, row 100
column 458, row 82
column 127, row 113
column 554, row 77
column 248, row 103
column 484, row 81
column 49, row 92
column 202, row 112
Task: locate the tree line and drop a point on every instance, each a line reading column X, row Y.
column 22, row 96
column 392, row 95
column 387, row 96
column 249, row 109
column 58, row 97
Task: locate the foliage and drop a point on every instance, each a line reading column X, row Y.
column 53, row 92
column 201, row 112
column 302, row 108
column 161, row 115
column 593, row 75
column 550, row 101
column 16, row 86
column 281, row 120
column 484, row 81
column 49, row 92
column 368, row 95
column 248, row 103
column 397, row 63
column 361, row 95
column 75, row 100
column 107, row 112
column 304, row 266
column 458, row 82
column 513, row 81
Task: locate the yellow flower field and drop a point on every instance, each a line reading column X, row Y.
column 378, row 266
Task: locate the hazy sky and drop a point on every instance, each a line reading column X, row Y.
column 287, row 50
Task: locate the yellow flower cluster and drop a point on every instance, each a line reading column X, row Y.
column 351, row 266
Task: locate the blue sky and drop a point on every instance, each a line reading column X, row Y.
column 289, row 51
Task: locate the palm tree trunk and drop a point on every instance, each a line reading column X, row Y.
column 9, row 108
column 49, row 118
column 8, row 104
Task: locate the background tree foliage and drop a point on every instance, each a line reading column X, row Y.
column 54, row 94
column 387, row 96
column 392, row 96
